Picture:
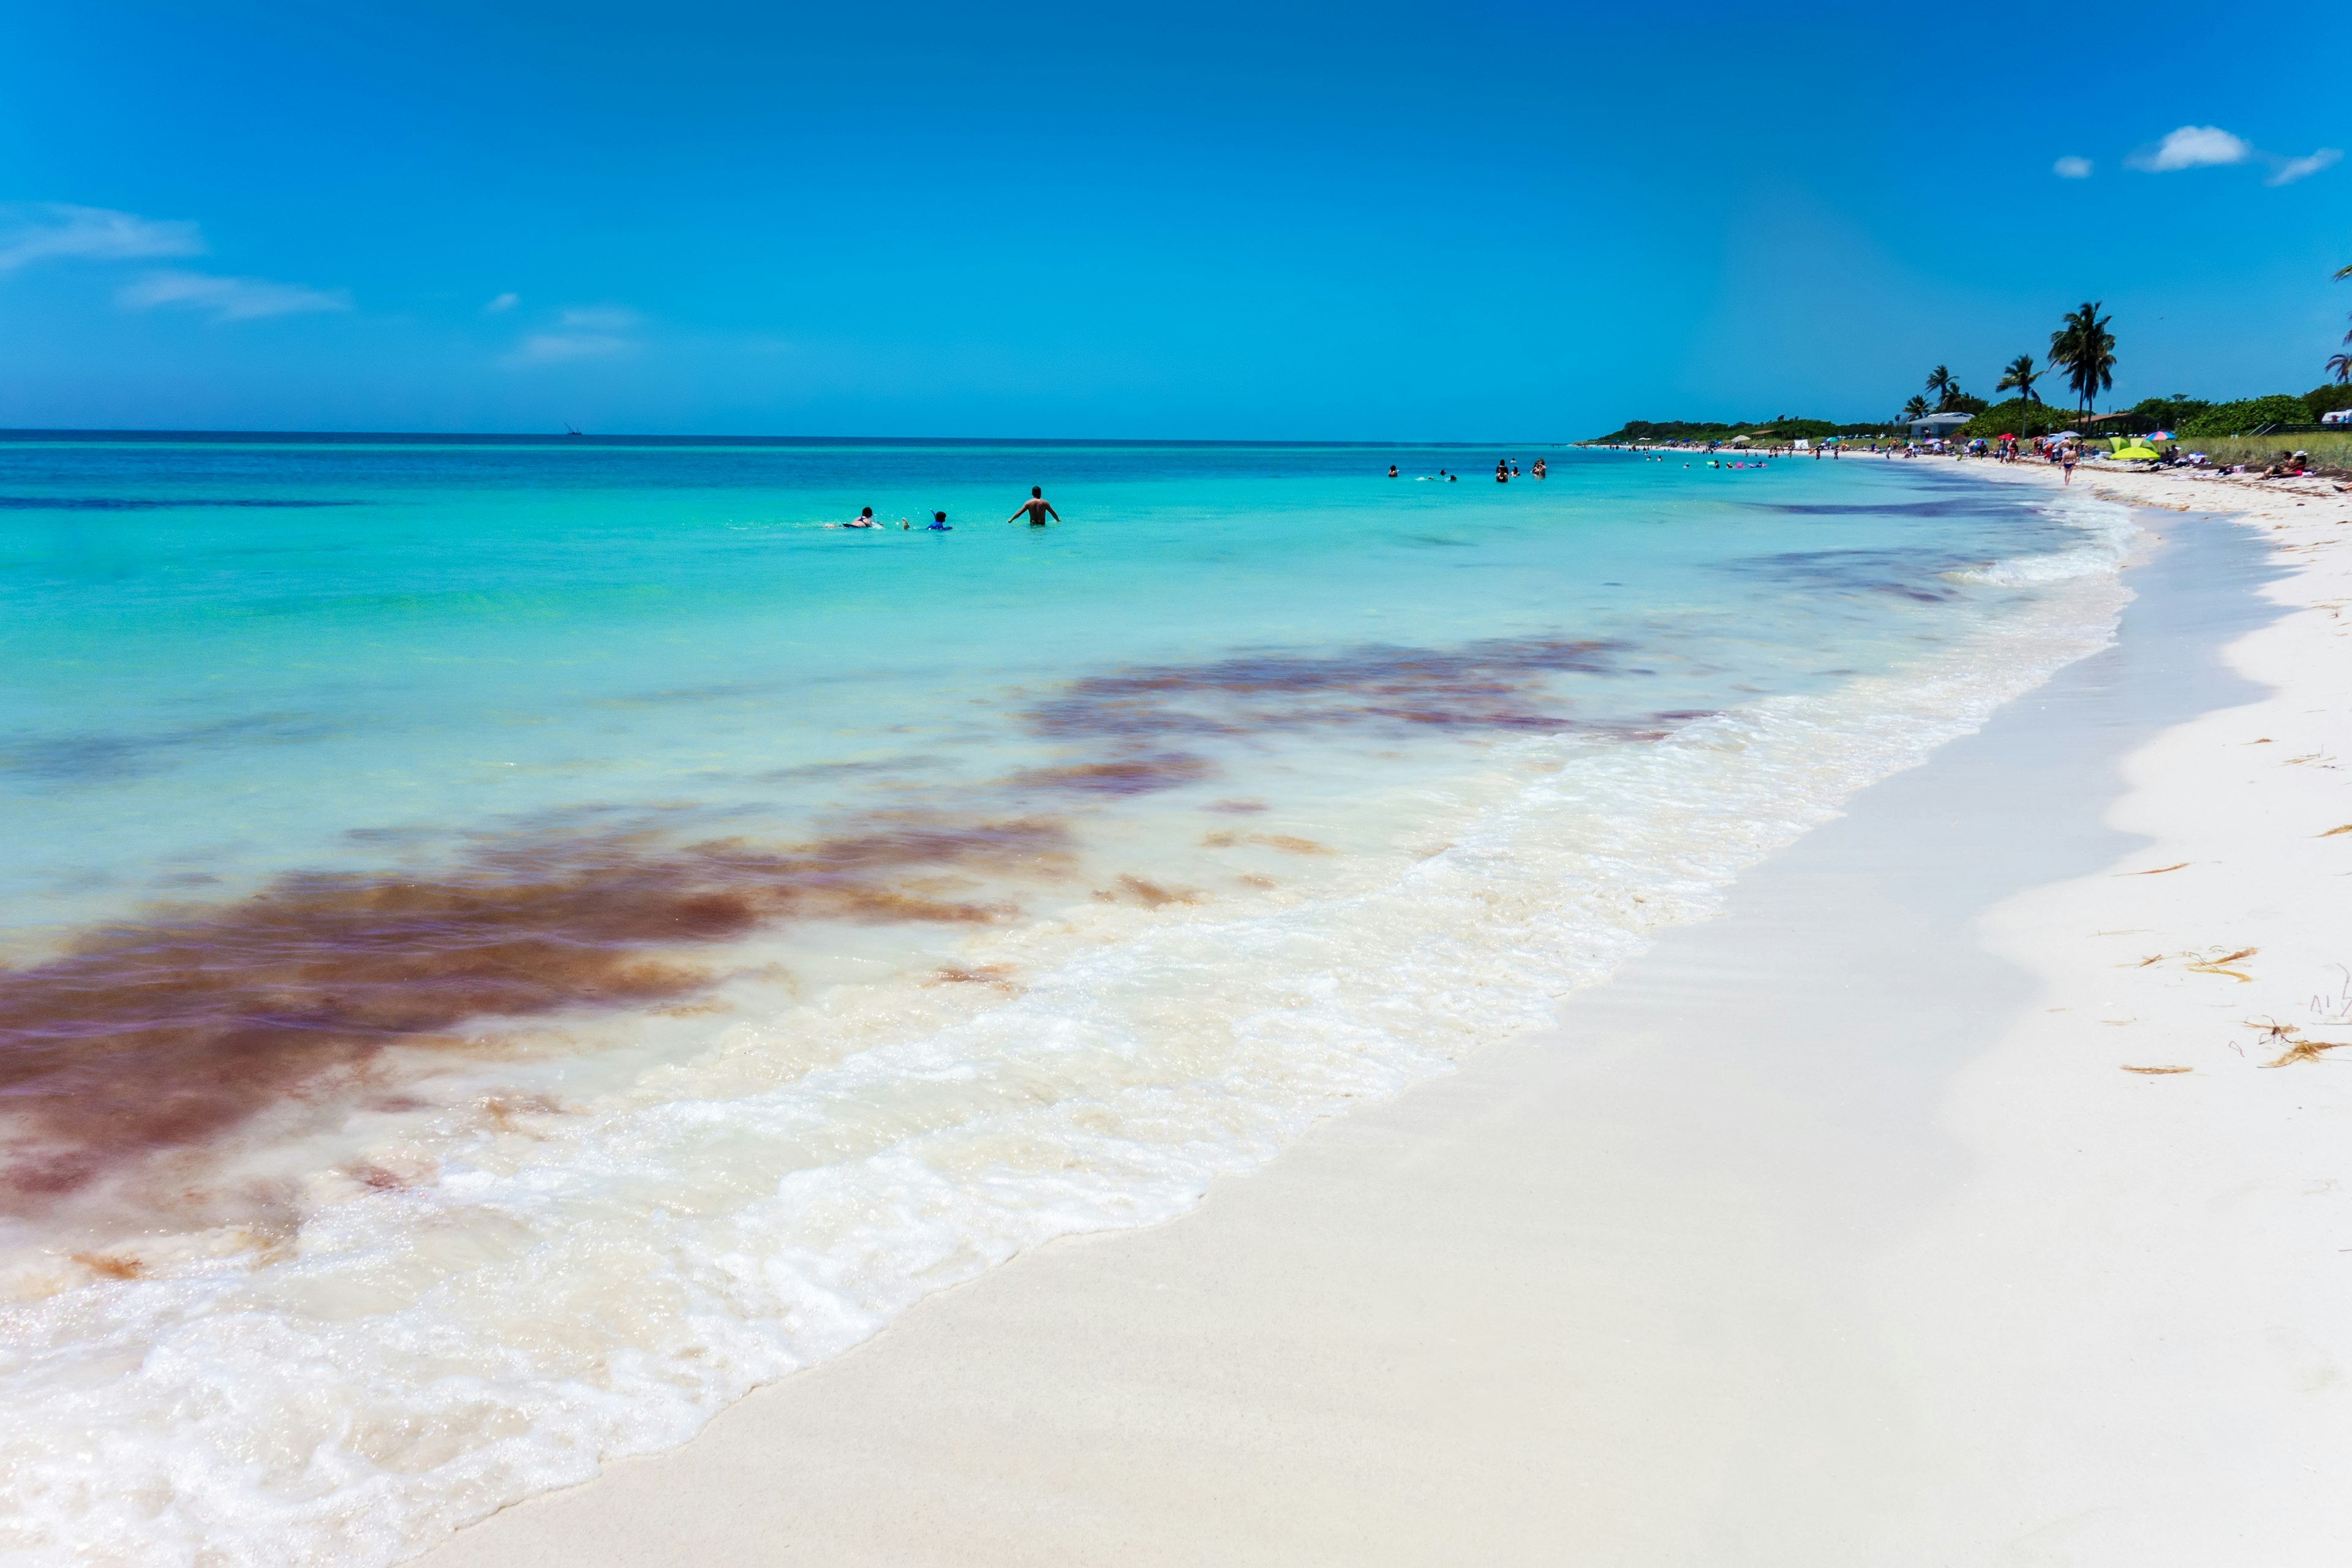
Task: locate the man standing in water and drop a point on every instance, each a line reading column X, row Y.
column 1038, row 508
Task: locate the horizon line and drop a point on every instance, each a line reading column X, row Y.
column 581, row 438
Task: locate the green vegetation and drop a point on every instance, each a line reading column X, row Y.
column 1786, row 427
column 2016, row 417
column 2085, row 347
column 2249, row 415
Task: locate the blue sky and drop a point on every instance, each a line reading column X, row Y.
column 1473, row 221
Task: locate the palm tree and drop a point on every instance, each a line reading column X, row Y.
column 2341, row 365
column 2088, row 350
column 1914, row 409
column 1941, row 382
column 2019, row 375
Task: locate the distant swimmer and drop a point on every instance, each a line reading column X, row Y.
column 1502, row 474
column 1539, row 470
column 863, row 519
column 1037, row 508
column 940, row 523
column 1393, row 473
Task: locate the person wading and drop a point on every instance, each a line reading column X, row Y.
column 1037, row 508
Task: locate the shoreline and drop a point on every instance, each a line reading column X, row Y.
column 1604, row 1288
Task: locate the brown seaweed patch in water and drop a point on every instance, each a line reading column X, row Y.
column 1480, row 685
column 166, row 1032
column 1238, row 808
column 1288, row 843
column 1125, row 776
column 1150, row 894
column 998, row 975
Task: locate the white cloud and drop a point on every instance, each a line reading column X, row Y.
column 592, row 331
column 600, row 319
column 41, row 230
column 229, row 299
column 2071, row 168
column 2192, row 147
column 556, row 348
column 2287, row 171
column 505, row 302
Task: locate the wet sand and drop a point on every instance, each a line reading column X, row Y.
column 1829, row 1232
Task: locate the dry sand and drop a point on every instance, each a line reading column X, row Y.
column 1836, row 1231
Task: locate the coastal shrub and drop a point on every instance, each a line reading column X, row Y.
column 2249, row 415
column 1786, row 426
column 2018, row 417
column 2162, row 413
column 2328, row 397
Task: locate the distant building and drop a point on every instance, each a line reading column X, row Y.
column 1937, row 427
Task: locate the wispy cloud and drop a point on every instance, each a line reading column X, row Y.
column 2287, row 171
column 505, row 302
column 555, row 348
column 2071, row 168
column 229, row 299
column 599, row 319
column 2192, row 147
column 590, row 333
column 41, row 231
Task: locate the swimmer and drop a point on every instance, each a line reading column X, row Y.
column 940, row 523
column 1539, row 468
column 1393, row 473
column 863, row 519
column 1037, row 508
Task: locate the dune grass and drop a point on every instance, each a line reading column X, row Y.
column 2331, row 450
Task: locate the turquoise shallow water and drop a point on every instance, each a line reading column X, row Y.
column 303, row 643
column 512, row 946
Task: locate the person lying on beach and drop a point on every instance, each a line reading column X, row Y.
column 1037, row 508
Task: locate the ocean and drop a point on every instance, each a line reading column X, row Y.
column 510, row 946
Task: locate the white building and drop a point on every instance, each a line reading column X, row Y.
column 1937, row 427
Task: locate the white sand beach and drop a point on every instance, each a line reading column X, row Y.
column 1977, row 1190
